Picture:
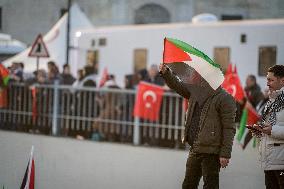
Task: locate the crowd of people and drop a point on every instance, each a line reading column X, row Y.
column 85, row 76
column 89, row 104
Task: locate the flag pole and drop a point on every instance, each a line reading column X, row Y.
column 31, row 158
column 30, row 164
column 136, row 132
column 164, row 49
column 37, row 63
column 32, row 151
column 68, row 32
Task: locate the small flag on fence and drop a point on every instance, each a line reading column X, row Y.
column 104, row 78
column 148, row 101
column 4, row 73
column 34, row 104
column 29, row 178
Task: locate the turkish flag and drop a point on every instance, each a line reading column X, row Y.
column 3, row 98
column 4, row 72
column 104, row 78
column 232, row 84
column 148, row 101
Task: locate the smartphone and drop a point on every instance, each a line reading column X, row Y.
column 252, row 127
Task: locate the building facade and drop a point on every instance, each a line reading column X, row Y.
column 24, row 19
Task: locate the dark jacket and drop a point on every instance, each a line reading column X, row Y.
column 158, row 80
column 67, row 79
column 217, row 119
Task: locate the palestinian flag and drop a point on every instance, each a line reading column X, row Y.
column 29, row 178
column 4, row 73
column 249, row 117
column 179, row 51
column 243, row 123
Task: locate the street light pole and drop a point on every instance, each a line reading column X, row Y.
column 68, row 32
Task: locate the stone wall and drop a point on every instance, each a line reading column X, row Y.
column 26, row 18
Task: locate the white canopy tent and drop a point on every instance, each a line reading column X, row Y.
column 55, row 41
column 9, row 45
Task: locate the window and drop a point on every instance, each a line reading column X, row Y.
column 243, row 38
column 63, row 11
column 93, row 59
column 102, row 42
column 267, row 58
column 93, row 42
column 231, row 17
column 140, row 59
column 0, row 18
column 222, row 57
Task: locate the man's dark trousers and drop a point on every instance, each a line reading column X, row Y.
column 274, row 179
column 206, row 165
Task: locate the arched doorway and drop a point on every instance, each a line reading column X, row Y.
column 152, row 13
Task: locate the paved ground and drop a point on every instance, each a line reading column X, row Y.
column 244, row 171
column 69, row 163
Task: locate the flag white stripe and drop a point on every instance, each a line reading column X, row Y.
column 242, row 141
column 30, row 168
column 210, row 73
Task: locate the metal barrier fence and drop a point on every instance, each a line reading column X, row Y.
column 96, row 114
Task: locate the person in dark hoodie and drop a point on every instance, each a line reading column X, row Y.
column 253, row 91
column 153, row 76
column 209, row 129
column 66, row 76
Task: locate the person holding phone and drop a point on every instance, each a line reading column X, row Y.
column 271, row 130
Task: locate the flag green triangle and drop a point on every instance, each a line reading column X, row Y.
column 243, row 123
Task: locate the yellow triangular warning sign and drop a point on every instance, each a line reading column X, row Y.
column 38, row 48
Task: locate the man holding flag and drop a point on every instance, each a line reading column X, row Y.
column 210, row 117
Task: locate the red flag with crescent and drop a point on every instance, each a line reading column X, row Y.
column 34, row 104
column 148, row 101
column 232, row 84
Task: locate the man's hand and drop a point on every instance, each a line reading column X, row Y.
column 162, row 68
column 255, row 129
column 224, row 162
column 183, row 140
column 267, row 129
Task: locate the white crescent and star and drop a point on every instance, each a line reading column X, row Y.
column 233, row 90
column 153, row 98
